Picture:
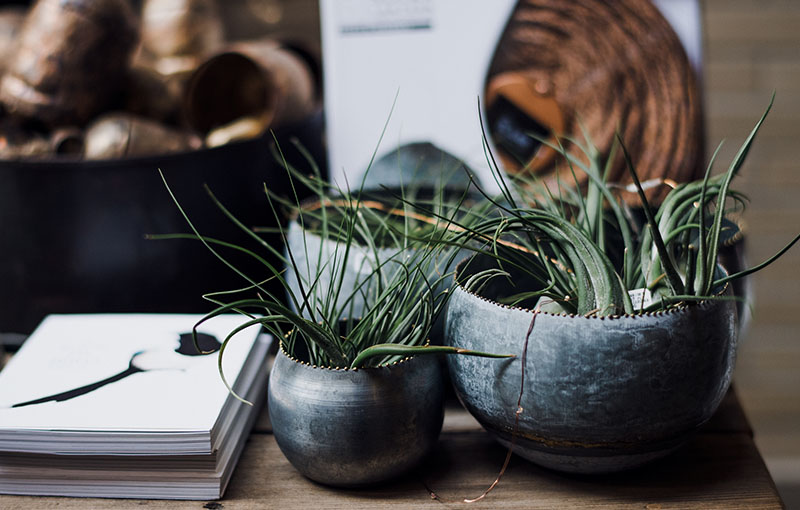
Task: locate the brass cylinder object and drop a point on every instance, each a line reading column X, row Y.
column 244, row 128
column 154, row 95
column 70, row 60
column 67, row 141
column 177, row 34
column 251, row 79
column 120, row 135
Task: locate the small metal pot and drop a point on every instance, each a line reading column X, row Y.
column 600, row 394
column 347, row 428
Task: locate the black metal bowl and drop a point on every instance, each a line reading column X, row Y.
column 72, row 233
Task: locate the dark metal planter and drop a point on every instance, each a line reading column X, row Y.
column 355, row 427
column 600, row 394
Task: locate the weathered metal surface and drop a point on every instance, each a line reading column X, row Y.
column 356, row 427
column 600, row 394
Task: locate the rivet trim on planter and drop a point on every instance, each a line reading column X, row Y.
column 738, row 236
column 342, row 369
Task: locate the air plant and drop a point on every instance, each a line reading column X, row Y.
column 588, row 251
column 399, row 254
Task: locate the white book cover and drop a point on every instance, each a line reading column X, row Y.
column 89, row 384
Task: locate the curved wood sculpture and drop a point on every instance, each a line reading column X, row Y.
column 605, row 66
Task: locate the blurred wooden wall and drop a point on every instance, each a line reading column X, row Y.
column 753, row 48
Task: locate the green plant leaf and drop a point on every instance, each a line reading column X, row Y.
column 383, row 350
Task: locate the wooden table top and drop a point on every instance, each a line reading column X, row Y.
column 719, row 468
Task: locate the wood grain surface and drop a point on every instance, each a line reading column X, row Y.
column 719, row 468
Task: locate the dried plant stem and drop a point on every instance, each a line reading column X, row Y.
column 514, row 430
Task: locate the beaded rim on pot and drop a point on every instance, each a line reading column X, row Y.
column 340, row 369
column 738, row 236
column 705, row 303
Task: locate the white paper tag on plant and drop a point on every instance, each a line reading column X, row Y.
column 641, row 298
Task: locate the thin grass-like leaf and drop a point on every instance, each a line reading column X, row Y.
column 674, row 281
column 416, row 350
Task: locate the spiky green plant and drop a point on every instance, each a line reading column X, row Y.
column 562, row 238
column 399, row 254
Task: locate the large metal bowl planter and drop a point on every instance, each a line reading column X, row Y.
column 600, row 394
column 346, row 427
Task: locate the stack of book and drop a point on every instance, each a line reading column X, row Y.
column 124, row 406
